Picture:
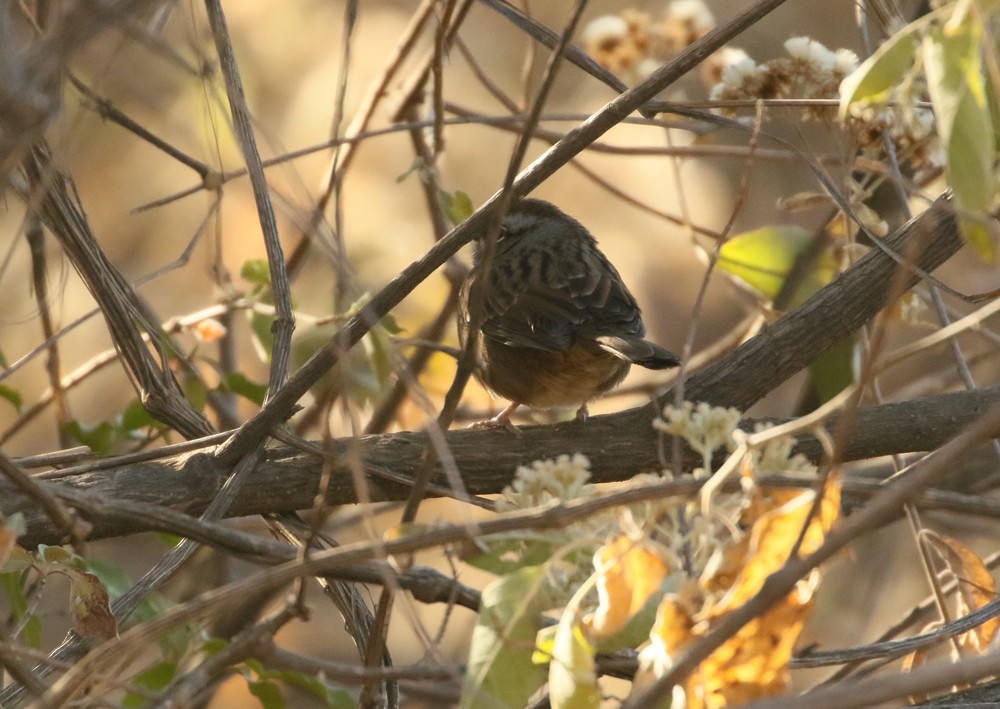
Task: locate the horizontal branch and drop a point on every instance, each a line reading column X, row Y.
column 288, row 479
column 618, row 446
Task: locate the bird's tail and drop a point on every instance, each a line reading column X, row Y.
column 638, row 351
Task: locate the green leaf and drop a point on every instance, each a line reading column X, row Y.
column 832, row 371
column 764, row 257
column 500, row 671
column 256, row 272
column 135, row 417
column 153, row 679
column 506, row 555
column 457, row 206
column 953, row 62
column 239, row 383
column 390, row 324
column 330, row 696
column 59, row 555
column 11, row 395
column 268, row 693
column 98, row 438
column 12, row 584
column 31, row 632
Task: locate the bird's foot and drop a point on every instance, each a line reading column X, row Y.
column 501, row 420
column 582, row 414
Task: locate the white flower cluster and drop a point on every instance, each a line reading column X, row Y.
column 543, row 481
column 634, row 45
column 705, row 428
column 810, row 71
column 813, row 71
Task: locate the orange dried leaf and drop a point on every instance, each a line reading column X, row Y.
column 629, row 572
column 976, row 586
column 671, row 633
column 754, row 662
column 781, row 515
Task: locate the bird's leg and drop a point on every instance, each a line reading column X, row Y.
column 583, row 413
column 501, row 420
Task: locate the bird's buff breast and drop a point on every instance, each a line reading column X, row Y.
column 544, row 379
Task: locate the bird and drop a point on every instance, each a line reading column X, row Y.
column 558, row 326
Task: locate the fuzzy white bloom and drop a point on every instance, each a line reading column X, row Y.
column 564, row 478
column 693, row 13
column 604, row 30
column 728, row 56
column 734, row 75
column 846, row 62
column 809, row 50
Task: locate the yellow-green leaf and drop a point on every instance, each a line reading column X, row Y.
column 883, row 70
column 572, row 673
column 763, row 258
column 957, row 88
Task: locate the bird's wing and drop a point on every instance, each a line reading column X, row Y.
column 555, row 302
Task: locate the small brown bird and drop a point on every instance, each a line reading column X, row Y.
column 559, row 326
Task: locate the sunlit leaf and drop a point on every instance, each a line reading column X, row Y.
column 628, row 573
column 883, row 70
column 763, row 258
column 572, row 674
